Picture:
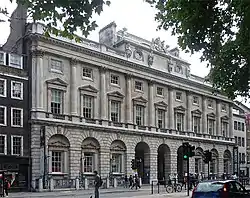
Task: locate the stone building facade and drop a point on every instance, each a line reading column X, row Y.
column 100, row 105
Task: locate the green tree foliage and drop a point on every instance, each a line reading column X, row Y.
column 220, row 29
column 70, row 15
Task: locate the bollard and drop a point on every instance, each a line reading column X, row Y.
column 40, row 184
column 51, row 184
column 77, row 184
column 107, row 182
column 86, row 186
column 158, row 185
column 115, row 182
column 152, row 187
column 140, row 181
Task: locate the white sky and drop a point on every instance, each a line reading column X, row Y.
column 137, row 16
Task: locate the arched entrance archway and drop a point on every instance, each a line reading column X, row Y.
column 164, row 162
column 181, row 164
column 227, row 161
column 142, row 156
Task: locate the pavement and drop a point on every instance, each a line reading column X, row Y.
column 144, row 192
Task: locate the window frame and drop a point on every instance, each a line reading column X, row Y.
column 21, row 149
column 182, row 120
column 21, row 118
column 213, row 126
column 198, row 124
column 177, row 93
column 92, row 155
column 195, row 103
column 4, row 95
column 4, row 57
column 14, row 97
column 5, row 115
column 143, row 114
column 223, row 107
column 210, row 104
column 5, row 144
column 91, row 73
column 61, row 161
column 157, row 89
column 119, row 110
column 141, row 85
column 13, row 65
column 163, row 118
column 85, row 96
column 62, row 101
column 112, row 80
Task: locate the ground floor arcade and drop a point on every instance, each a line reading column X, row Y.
column 72, row 152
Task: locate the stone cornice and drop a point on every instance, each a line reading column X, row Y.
column 132, row 65
column 129, row 132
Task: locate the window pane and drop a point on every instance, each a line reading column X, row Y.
column 87, row 72
column 16, row 145
column 56, row 161
column 88, row 106
column 2, row 144
column 139, row 115
column 56, row 101
column 17, row 89
column 138, row 85
column 56, row 65
column 88, row 162
column 116, row 163
column 2, row 87
column 2, row 115
column 161, row 118
column 114, row 79
column 179, row 121
column 115, row 111
column 16, row 117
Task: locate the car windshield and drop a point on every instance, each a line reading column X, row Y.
column 209, row 187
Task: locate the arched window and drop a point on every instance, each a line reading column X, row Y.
column 117, row 157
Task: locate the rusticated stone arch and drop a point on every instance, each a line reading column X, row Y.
column 58, row 130
column 91, row 134
column 214, row 165
column 227, row 163
column 163, row 162
column 117, row 137
column 198, row 151
column 117, row 156
column 133, row 141
column 90, row 155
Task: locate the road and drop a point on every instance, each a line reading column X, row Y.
column 142, row 193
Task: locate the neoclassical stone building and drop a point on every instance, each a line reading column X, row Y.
column 100, row 105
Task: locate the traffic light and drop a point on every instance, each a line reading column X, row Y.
column 207, row 156
column 133, row 165
column 191, row 151
column 185, row 146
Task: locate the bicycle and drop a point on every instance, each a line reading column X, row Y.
column 170, row 188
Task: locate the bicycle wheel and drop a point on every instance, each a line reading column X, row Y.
column 169, row 188
column 178, row 188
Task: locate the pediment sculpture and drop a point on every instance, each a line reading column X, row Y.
column 150, row 59
column 128, row 50
column 159, row 45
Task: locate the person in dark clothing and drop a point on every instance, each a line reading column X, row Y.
column 125, row 181
column 97, row 184
column 130, row 179
column 6, row 187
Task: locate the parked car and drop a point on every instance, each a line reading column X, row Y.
column 220, row 189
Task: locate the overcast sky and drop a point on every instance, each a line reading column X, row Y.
column 137, row 16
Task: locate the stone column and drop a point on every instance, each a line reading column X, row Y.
column 129, row 109
column 39, row 80
column 73, row 89
column 189, row 116
column 103, row 97
column 151, row 116
column 104, row 165
column 171, row 108
column 74, row 162
column 231, row 121
column 218, row 118
column 204, row 115
column 153, row 165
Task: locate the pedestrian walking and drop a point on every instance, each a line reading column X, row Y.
column 6, row 187
column 98, row 183
column 126, row 181
column 130, row 179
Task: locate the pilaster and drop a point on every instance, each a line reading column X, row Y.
column 130, row 156
column 231, row 121
column 103, row 98
column 189, row 116
column 204, row 115
column 128, row 100
column 104, row 165
column 218, row 118
column 39, row 80
column 173, row 162
column 151, row 116
column 171, row 108
column 75, row 162
column 73, row 89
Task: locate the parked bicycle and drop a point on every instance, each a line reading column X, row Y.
column 174, row 187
